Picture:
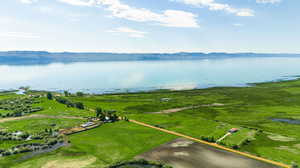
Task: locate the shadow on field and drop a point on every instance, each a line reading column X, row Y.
column 183, row 153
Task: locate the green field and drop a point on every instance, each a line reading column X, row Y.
column 251, row 109
column 98, row 147
column 51, row 107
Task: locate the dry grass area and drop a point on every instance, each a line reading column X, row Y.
column 70, row 163
column 174, row 110
column 289, row 149
column 281, row 138
column 37, row 116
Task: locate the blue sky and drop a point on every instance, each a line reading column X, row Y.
column 151, row 25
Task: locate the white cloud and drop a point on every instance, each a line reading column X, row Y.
column 181, row 86
column 79, row 2
column 131, row 32
column 175, row 18
column 238, row 24
column 19, row 35
column 214, row 6
column 170, row 18
column 28, row 1
column 268, row 1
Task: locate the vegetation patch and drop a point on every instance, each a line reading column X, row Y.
column 19, row 106
column 139, row 164
column 281, row 138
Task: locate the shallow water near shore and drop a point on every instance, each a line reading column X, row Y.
column 132, row 76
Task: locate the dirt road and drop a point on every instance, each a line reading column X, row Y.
column 215, row 146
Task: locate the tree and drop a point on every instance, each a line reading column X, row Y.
column 66, row 93
column 49, row 96
column 79, row 105
column 98, row 112
column 294, row 165
column 80, row 94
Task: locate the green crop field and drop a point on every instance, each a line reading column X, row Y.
column 253, row 110
column 53, row 108
column 98, row 147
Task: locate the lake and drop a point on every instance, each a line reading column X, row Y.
column 107, row 77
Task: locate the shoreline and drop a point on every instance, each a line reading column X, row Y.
column 153, row 90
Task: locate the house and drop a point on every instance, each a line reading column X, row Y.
column 88, row 124
column 107, row 119
column 233, row 130
column 18, row 133
column 165, row 99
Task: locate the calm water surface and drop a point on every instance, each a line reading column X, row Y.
column 101, row 77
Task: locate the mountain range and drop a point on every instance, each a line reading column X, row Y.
column 43, row 57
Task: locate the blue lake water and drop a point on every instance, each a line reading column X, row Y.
column 102, row 77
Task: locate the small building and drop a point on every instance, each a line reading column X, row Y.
column 88, row 124
column 233, row 130
column 165, row 99
column 107, row 119
column 18, row 133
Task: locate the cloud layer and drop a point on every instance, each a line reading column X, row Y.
column 19, row 35
column 131, row 32
column 268, row 1
column 28, row 1
column 169, row 18
column 214, row 6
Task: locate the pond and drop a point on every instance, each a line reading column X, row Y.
column 41, row 151
column 285, row 120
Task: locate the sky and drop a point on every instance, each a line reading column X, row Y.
column 264, row 26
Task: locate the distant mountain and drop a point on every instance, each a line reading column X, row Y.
column 43, row 57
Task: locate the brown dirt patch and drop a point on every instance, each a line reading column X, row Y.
column 70, row 163
column 196, row 155
column 174, row 110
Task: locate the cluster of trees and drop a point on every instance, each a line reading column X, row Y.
column 294, row 165
column 141, row 163
column 79, row 94
column 66, row 94
column 209, row 138
column 67, row 102
column 50, row 138
column 19, row 107
column 106, row 115
column 30, row 147
column 11, row 136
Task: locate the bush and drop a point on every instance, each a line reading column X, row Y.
column 80, row 94
column 294, row 165
column 79, row 105
column 49, row 96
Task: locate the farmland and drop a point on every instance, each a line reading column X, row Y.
column 211, row 113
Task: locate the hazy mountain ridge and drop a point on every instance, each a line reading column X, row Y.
column 43, row 57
